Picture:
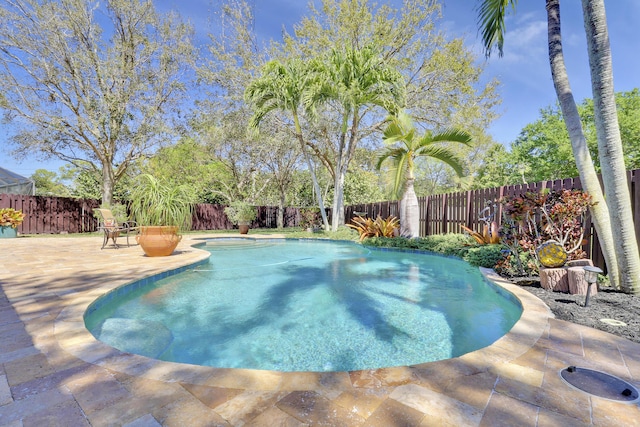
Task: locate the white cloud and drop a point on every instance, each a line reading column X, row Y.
column 527, row 40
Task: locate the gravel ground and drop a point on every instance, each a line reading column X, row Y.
column 606, row 304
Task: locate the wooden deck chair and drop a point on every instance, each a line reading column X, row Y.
column 112, row 229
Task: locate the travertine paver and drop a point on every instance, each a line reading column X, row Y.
column 53, row 372
column 507, row 411
column 144, row 421
column 5, row 392
column 439, row 408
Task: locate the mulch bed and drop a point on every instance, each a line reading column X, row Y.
column 606, row 304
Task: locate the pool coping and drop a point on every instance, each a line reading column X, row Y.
column 73, row 337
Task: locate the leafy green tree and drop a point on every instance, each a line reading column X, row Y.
column 281, row 161
column 192, row 164
column 441, row 76
column 257, row 167
column 628, row 108
column 499, row 168
column 353, row 81
column 48, row 183
column 95, row 84
column 362, row 186
column 405, row 146
column 86, row 184
column 629, row 119
column 543, row 151
column 281, row 87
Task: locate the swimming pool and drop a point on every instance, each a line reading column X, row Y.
column 307, row 306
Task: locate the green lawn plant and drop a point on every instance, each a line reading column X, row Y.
column 156, row 202
column 379, row 227
column 240, row 212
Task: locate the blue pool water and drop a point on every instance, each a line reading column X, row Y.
column 307, row 306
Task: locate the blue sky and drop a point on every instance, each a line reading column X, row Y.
column 523, row 70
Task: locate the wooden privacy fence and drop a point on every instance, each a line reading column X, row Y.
column 447, row 213
column 52, row 215
column 441, row 213
column 212, row 217
column 55, row 215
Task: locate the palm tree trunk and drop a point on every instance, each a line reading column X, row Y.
column 312, row 171
column 409, row 212
column 316, row 187
column 584, row 163
column 337, row 217
column 614, row 175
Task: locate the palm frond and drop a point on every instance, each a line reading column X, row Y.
column 444, row 154
column 398, row 157
column 449, row 135
column 491, row 17
column 400, row 128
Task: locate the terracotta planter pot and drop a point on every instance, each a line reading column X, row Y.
column 158, row 240
column 244, row 228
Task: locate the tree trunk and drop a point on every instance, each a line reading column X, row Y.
column 281, row 203
column 337, row 218
column 614, row 175
column 409, row 212
column 107, row 185
column 584, row 162
column 316, row 186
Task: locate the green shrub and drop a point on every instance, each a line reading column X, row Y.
column 309, row 218
column 485, row 256
column 508, row 266
column 447, row 244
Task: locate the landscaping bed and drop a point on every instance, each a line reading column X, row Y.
column 606, row 304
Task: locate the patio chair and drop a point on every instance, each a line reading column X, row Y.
column 112, row 229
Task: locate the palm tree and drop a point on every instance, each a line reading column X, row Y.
column 281, row 87
column 411, row 146
column 622, row 264
column 610, row 153
column 356, row 80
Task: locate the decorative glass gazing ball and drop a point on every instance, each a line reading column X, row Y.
column 551, row 254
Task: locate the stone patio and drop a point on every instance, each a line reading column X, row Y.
column 54, row 373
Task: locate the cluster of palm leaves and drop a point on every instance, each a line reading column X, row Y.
column 403, row 146
column 379, row 227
